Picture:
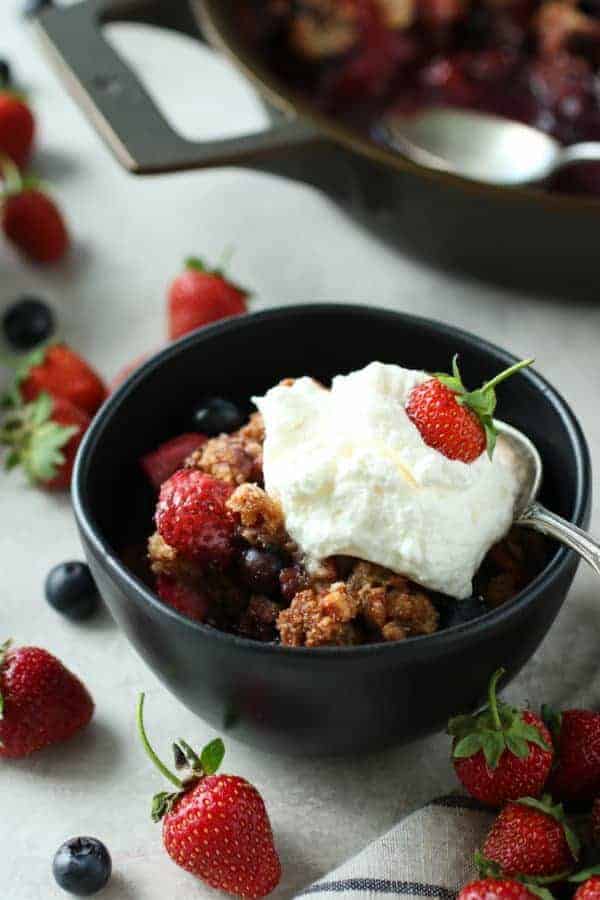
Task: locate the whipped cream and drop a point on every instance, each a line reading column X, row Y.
column 355, row 478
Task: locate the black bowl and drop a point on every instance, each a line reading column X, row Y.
column 330, row 700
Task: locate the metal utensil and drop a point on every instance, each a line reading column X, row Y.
column 481, row 146
column 518, row 452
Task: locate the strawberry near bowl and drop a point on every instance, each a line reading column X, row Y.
column 335, row 699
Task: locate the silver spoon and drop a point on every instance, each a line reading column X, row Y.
column 481, row 146
column 518, row 452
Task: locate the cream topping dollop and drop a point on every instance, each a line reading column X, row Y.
column 354, row 477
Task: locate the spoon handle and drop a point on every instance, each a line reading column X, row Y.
column 588, row 151
column 541, row 519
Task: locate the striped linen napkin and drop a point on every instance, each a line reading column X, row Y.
column 427, row 854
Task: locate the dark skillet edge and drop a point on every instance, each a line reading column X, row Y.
column 223, row 36
column 90, row 533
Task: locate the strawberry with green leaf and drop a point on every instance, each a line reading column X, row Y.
column 456, row 422
column 201, row 295
column 502, row 753
column 42, row 437
column 214, row 826
column 58, row 370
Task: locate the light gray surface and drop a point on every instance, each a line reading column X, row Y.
column 292, row 245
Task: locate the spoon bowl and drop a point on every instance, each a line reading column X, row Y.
column 481, row 146
column 521, row 455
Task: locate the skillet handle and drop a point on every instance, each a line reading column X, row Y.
column 124, row 113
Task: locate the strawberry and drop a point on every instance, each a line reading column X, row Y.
column 530, row 838
column 161, row 463
column 58, row 370
column 192, row 516
column 17, row 127
column 43, row 438
column 456, row 422
column 497, row 889
column 589, row 889
column 214, row 826
column 185, row 599
column 503, row 753
column 576, row 776
column 199, row 296
column 41, row 702
column 31, row 220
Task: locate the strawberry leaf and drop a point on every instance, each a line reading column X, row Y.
column 43, row 456
column 4, row 648
column 579, row 877
column 212, row 756
column 195, row 263
column 162, row 803
column 553, row 720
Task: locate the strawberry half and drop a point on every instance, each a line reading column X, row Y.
column 456, row 422
column 43, row 437
column 503, row 753
column 201, row 295
column 163, row 462
column 214, row 826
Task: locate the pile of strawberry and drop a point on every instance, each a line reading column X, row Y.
column 51, row 404
column 537, row 771
column 31, row 221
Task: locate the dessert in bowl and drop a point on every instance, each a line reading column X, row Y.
column 327, row 698
column 328, row 520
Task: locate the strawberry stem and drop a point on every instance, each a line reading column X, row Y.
column 10, row 175
column 502, row 376
column 148, row 747
column 493, row 700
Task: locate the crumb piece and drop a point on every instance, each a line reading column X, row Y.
column 324, row 28
column 397, row 13
column 388, row 599
column 261, row 517
column 319, row 620
column 165, row 560
column 230, row 458
column 254, row 429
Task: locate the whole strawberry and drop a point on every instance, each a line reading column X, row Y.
column 199, row 296
column 59, row 371
column 456, row 422
column 41, row 702
column 192, row 517
column 497, row 889
column 214, row 826
column 589, row 889
column 530, row 838
column 161, row 463
column 17, row 128
column 575, row 778
column 33, row 223
column 43, row 437
column 503, row 753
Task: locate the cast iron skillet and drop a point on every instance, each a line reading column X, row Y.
column 332, row 700
column 526, row 238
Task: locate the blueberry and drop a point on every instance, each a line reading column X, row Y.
column 72, row 591
column 5, row 74
column 216, row 415
column 33, row 7
column 260, row 570
column 27, row 323
column 82, row 866
column 459, row 612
